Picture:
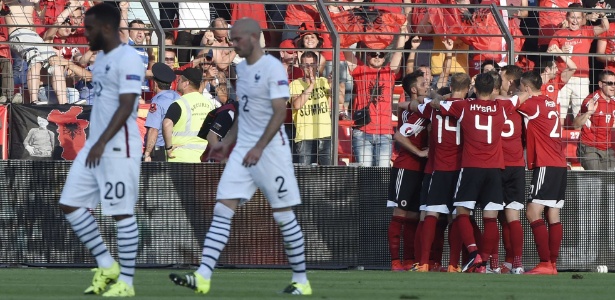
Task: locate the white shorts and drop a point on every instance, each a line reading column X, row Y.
column 31, row 53
column 274, row 175
column 114, row 183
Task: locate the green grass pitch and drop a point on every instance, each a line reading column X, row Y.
column 66, row 284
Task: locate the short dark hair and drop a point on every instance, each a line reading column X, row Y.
column 168, row 35
column 484, row 84
column 605, row 73
column 409, row 81
column 547, row 63
column 105, row 14
column 310, row 54
column 497, row 79
column 532, row 79
column 513, row 72
column 460, row 81
column 163, row 85
column 489, row 62
column 573, row 5
column 135, row 21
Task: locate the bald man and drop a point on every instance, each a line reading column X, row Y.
column 261, row 159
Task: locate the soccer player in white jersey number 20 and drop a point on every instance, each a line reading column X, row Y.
column 260, row 159
column 107, row 169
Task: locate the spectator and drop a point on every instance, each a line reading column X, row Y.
column 154, row 142
column 288, row 56
column 170, row 58
column 192, row 16
column 489, row 65
column 310, row 98
column 576, row 38
column 7, row 84
column 374, row 81
column 135, row 36
column 169, row 40
column 180, row 136
column 310, row 39
column 217, row 37
column 551, row 20
column 606, row 45
column 595, row 150
column 81, row 75
column 23, row 39
column 297, row 14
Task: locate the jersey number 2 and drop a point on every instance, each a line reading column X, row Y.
column 245, row 104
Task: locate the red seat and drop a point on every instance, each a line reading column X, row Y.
column 570, row 140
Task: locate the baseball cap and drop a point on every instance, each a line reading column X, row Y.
column 193, row 75
column 163, row 73
column 286, row 45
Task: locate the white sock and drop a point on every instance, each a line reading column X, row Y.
column 127, row 246
column 86, row 228
column 293, row 243
column 216, row 239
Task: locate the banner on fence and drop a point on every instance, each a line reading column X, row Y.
column 48, row 132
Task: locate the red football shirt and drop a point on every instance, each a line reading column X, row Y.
column 414, row 128
column 543, row 133
column 379, row 82
column 609, row 36
column 581, row 42
column 596, row 132
column 445, row 138
column 512, row 144
column 550, row 21
column 481, row 122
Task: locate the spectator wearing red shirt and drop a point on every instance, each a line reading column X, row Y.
column 596, row 124
column 552, row 20
column 374, row 81
column 64, row 33
column 577, row 38
column 6, row 67
column 606, row 45
column 546, row 159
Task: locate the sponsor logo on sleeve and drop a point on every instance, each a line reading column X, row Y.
column 133, row 77
column 282, row 82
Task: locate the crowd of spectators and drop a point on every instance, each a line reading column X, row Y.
column 381, row 41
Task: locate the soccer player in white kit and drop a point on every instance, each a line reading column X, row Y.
column 107, row 169
column 260, row 159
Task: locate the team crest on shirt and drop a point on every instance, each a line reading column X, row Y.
column 153, row 108
column 257, row 77
column 410, row 129
column 107, row 68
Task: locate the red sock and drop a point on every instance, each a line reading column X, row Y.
column 438, row 243
column 477, row 233
column 428, row 233
column 394, row 234
column 556, row 234
column 466, row 232
column 490, row 239
column 541, row 238
column 409, row 233
column 455, row 243
column 516, row 240
column 417, row 241
column 506, row 240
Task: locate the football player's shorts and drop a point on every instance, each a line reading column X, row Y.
column 548, row 186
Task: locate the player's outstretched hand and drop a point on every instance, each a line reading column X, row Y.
column 252, row 157
column 219, row 152
column 96, row 152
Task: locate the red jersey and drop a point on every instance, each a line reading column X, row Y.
column 512, row 143
column 481, row 122
column 544, row 142
column 581, row 42
column 70, row 49
column 596, row 132
column 255, row 11
column 396, row 9
column 414, row 128
column 552, row 87
column 369, row 81
column 609, row 36
column 550, row 21
column 296, row 14
column 445, row 139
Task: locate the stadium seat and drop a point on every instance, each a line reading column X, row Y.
column 570, row 139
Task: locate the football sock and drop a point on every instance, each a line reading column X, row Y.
column 437, row 247
column 466, row 232
column 454, row 239
column 215, row 239
column 127, row 246
column 506, row 241
column 86, row 228
column 394, row 233
column 427, row 236
column 293, row 243
column 417, row 241
column 541, row 238
column 409, row 234
column 490, row 240
column 556, row 235
column 516, row 240
column 478, row 236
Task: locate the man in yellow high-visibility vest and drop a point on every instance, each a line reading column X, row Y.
column 184, row 118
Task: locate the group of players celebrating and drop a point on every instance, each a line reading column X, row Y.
column 473, row 158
